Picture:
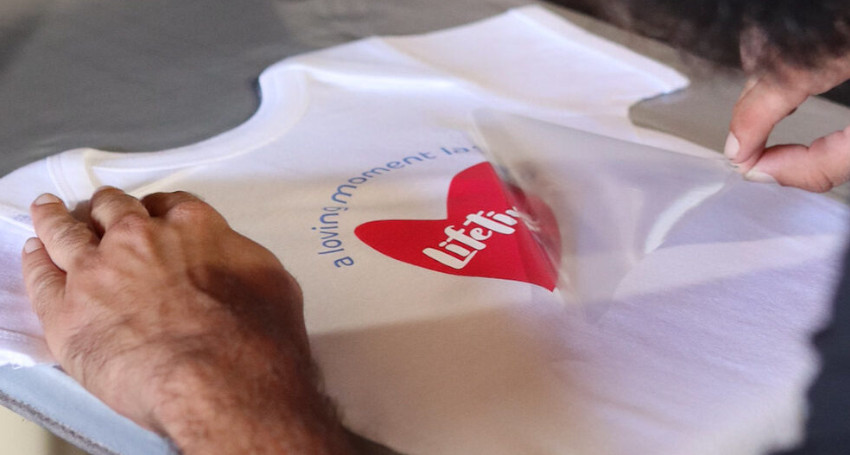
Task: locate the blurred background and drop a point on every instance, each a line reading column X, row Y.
column 22, row 437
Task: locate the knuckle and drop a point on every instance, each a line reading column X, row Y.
column 107, row 199
column 106, row 191
column 134, row 224
column 183, row 195
column 190, row 210
column 820, row 182
column 134, row 233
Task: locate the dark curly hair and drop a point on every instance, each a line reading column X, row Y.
column 797, row 32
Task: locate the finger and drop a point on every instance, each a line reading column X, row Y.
column 66, row 239
column 748, row 85
column 755, row 115
column 44, row 281
column 819, row 167
column 180, row 205
column 110, row 205
column 159, row 204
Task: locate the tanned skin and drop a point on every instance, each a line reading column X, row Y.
column 176, row 321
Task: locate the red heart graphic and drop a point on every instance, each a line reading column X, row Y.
column 491, row 231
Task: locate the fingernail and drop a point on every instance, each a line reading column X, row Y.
column 33, row 244
column 732, row 147
column 47, row 198
column 755, row 175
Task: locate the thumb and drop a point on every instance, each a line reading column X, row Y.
column 45, row 282
column 762, row 105
column 819, row 168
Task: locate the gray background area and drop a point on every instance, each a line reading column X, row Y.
column 154, row 74
column 145, row 75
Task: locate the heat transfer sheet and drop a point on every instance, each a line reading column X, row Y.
column 691, row 293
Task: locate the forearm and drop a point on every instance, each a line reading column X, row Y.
column 254, row 409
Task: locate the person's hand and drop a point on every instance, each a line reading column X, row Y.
column 768, row 99
column 178, row 322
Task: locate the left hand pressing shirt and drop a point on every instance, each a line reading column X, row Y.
column 178, row 322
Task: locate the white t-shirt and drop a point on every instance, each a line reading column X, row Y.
column 430, row 303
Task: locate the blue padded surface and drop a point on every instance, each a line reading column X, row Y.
column 48, row 396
